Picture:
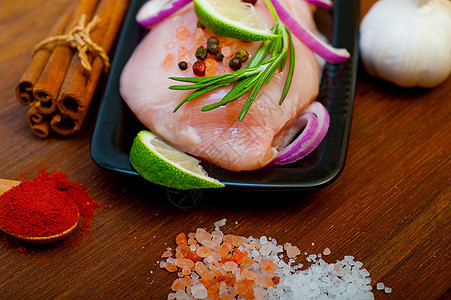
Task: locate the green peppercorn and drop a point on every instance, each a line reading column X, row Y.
column 242, row 55
column 213, row 40
column 183, row 65
column 200, row 25
column 201, row 52
column 235, row 64
column 219, row 56
column 212, row 49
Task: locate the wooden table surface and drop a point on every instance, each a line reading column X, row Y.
column 389, row 208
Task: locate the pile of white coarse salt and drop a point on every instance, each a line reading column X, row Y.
column 342, row 280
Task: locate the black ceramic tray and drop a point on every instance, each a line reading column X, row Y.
column 116, row 126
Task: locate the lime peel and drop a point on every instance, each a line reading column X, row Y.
column 233, row 18
column 162, row 164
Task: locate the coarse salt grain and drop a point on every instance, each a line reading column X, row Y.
column 380, row 286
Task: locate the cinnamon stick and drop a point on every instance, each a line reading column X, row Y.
column 64, row 125
column 79, row 86
column 24, row 89
column 47, row 87
column 39, row 123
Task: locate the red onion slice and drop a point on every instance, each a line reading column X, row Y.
column 311, row 40
column 155, row 11
column 317, row 121
column 325, row 4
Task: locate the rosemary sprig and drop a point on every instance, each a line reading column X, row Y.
column 259, row 71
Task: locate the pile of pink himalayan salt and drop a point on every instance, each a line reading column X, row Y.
column 225, row 266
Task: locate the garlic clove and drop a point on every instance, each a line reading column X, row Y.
column 407, row 42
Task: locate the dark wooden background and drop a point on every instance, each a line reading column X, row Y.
column 390, row 208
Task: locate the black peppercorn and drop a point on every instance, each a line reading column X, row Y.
column 183, row 65
column 235, row 64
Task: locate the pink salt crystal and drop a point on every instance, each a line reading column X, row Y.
column 230, row 266
column 228, row 51
column 222, row 286
column 258, row 294
column 202, row 235
column 183, row 54
column 166, row 254
column 182, row 33
column 199, row 291
column 338, row 270
column 224, row 249
column 178, row 285
column 326, row 251
column 203, row 252
column 226, row 296
column 293, row 251
column 181, row 295
column 268, row 266
column 217, row 240
column 256, row 244
column 200, row 268
column 184, row 263
column 211, row 67
column 264, row 281
column 199, row 38
column 248, row 274
column 266, row 249
column 186, row 271
column 168, row 62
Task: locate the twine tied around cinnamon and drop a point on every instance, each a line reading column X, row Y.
column 79, row 38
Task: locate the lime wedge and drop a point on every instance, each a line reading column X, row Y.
column 232, row 18
column 162, row 164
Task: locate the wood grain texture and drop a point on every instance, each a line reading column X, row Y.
column 390, row 208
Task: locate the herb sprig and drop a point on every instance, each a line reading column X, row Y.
column 259, row 71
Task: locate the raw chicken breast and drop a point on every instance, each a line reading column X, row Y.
column 216, row 136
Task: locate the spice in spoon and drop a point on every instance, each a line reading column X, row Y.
column 45, row 209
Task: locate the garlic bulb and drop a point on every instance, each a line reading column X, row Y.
column 407, row 42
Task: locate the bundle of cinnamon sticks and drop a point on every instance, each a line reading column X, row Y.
column 58, row 85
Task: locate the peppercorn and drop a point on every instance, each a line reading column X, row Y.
column 213, row 40
column 235, row 64
column 183, row 65
column 212, row 48
column 219, row 56
column 200, row 25
column 199, row 68
column 201, row 52
column 242, row 55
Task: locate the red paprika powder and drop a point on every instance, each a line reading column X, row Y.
column 45, row 206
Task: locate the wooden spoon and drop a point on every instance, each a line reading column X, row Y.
column 6, row 185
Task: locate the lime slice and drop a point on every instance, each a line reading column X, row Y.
column 232, row 18
column 162, row 164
